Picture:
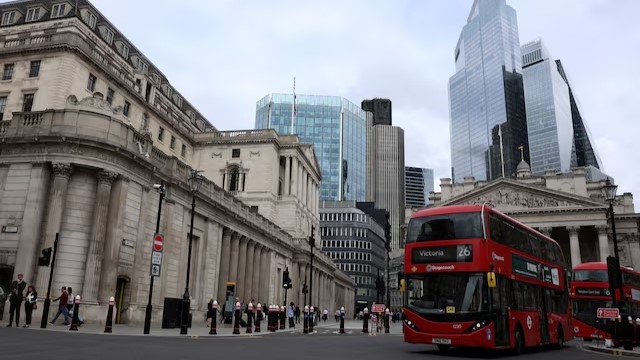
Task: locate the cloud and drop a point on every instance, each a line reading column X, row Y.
column 225, row 55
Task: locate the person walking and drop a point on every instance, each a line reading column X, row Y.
column 290, row 313
column 30, row 304
column 70, row 299
column 62, row 307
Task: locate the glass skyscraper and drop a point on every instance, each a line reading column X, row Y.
column 336, row 127
column 419, row 183
column 486, row 99
column 558, row 137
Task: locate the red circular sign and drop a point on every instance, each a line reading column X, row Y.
column 157, row 242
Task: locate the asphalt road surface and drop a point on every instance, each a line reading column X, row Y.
column 17, row 343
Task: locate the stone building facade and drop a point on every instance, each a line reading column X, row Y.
column 566, row 206
column 89, row 126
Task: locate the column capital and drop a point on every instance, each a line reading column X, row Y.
column 62, row 169
column 106, row 177
column 573, row 229
column 602, row 229
column 546, row 230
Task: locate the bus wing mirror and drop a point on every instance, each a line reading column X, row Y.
column 491, row 279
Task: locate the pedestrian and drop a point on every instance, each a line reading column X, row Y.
column 209, row 313
column 337, row 315
column 62, row 307
column 30, row 304
column 325, row 315
column 70, row 299
column 297, row 314
column 14, row 307
column 290, row 313
column 18, row 285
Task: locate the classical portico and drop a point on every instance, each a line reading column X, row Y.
column 566, row 207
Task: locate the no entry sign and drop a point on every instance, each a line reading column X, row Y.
column 157, row 242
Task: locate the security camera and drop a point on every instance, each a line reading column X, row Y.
column 157, row 186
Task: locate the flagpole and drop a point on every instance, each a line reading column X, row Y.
column 293, row 107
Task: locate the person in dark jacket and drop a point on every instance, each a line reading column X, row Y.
column 29, row 304
column 14, row 307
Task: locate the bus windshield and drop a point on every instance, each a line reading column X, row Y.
column 448, row 293
column 591, row 275
column 586, row 310
column 445, row 227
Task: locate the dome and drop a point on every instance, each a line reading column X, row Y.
column 523, row 166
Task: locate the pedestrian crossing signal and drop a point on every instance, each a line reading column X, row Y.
column 286, row 280
column 45, row 257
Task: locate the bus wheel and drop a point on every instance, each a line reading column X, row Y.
column 560, row 343
column 519, row 339
column 443, row 348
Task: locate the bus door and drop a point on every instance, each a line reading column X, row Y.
column 542, row 312
column 500, row 299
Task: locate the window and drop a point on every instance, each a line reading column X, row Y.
column 7, row 74
column 3, row 105
column 234, row 179
column 142, row 66
column 27, row 102
column 91, row 82
column 33, row 14
column 110, row 94
column 254, row 208
column 107, row 35
column 8, row 18
column 161, row 134
column 57, row 10
column 235, row 153
column 124, row 50
column 91, row 20
column 183, row 153
column 125, row 109
column 34, row 71
column 172, row 144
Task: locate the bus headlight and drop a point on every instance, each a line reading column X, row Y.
column 478, row 325
column 411, row 324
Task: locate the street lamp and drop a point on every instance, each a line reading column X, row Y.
column 147, row 316
column 195, row 180
column 312, row 244
column 609, row 193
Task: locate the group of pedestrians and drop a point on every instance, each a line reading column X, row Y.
column 20, row 292
column 17, row 296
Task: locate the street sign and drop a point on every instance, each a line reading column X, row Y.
column 155, row 270
column 607, row 313
column 157, row 242
column 156, row 258
column 377, row 308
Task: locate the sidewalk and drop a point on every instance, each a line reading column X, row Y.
column 612, row 351
column 200, row 330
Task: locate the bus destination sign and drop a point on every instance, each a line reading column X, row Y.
column 442, row 254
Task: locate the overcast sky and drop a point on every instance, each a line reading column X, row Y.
column 224, row 55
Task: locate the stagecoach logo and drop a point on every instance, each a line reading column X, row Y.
column 496, row 257
column 529, row 322
column 440, row 267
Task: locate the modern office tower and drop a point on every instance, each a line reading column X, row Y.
column 389, row 182
column 336, row 127
column 418, row 185
column 353, row 237
column 381, row 110
column 486, row 100
column 558, row 137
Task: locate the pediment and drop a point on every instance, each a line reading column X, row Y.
column 507, row 195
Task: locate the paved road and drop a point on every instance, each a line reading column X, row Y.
column 17, row 343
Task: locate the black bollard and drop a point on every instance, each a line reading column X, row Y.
column 214, row 316
column 269, row 319
column 283, row 317
column 75, row 321
column 305, row 320
column 342, row 320
column 236, row 321
column 387, row 315
column 258, row 317
column 249, row 318
column 311, row 315
column 109, row 323
column 365, row 322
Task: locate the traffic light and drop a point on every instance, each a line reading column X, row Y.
column 286, row 280
column 615, row 276
column 305, row 289
column 45, row 257
column 312, row 236
column 380, row 285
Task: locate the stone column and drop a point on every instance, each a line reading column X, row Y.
column 248, row 289
column 603, row 242
column 574, row 243
column 242, row 269
column 265, row 266
column 304, row 187
column 233, row 259
column 256, row 285
column 29, row 231
column 57, row 198
column 113, row 240
column 294, row 176
column 546, row 231
column 287, row 175
column 223, row 270
column 295, row 280
column 98, row 234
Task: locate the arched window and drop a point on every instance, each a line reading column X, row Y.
column 234, row 179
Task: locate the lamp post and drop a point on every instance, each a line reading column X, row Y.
column 195, row 180
column 147, row 314
column 609, row 193
column 312, row 244
column 387, row 235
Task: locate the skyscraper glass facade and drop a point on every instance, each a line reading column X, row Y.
column 419, row 183
column 337, row 129
column 486, row 101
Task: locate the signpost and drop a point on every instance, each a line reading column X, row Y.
column 156, row 255
column 608, row 313
column 377, row 308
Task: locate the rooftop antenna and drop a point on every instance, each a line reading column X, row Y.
column 294, row 110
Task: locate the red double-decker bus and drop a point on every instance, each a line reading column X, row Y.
column 478, row 278
column 590, row 291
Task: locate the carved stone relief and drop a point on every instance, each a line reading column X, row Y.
column 518, row 199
